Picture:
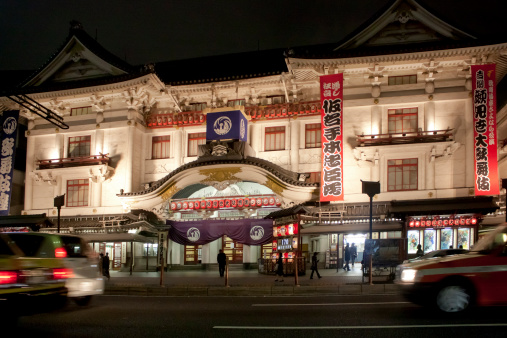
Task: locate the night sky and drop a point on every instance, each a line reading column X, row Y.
column 152, row 31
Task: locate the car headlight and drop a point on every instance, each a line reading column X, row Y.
column 408, row 275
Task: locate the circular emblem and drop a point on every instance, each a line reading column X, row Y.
column 222, row 125
column 256, row 232
column 193, row 234
column 242, row 129
column 10, row 125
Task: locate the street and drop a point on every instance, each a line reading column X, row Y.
column 308, row 316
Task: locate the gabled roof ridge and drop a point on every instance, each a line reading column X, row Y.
column 77, row 30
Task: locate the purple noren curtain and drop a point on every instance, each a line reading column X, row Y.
column 245, row 231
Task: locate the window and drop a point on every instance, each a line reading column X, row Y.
column 77, row 193
column 79, row 146
column 314, row 177
column 150, row 249
column 312, row 135
column 238, row 102
column 403, row 120
column 274, row 139
column 198, row 106
column 80, row 111
column 275, row 99
column 402, row 174
column 401, row 80
column 161, row 146
column 194, row 140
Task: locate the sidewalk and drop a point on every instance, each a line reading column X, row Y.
column 244, row 283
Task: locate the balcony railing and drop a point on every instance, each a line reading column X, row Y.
column 404, row 138
column 73, row 161
column 162, row 119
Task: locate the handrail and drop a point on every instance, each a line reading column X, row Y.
column 73, row 161
column 407, row 137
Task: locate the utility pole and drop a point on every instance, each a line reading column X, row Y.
column 371, row 189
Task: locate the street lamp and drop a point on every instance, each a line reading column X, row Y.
column 58, row 203
column 371, row 189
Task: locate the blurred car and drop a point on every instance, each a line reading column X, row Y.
column 438, row 253
column 86, row 280
column 456, row 283
column 32, row 275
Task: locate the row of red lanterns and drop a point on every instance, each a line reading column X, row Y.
column 442, row 222
column 282, row 110
column 176, row 119
column 226, row 203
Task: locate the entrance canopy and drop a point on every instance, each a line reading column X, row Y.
column 244, row 231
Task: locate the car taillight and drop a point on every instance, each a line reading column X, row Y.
column 62, row 273
column 60, row 253
column 8, row 277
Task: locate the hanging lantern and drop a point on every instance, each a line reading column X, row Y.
column 259, row 202
column 240, row 203
column 271, row 201
column 184, row 205
column 234, row 203
column 215, row 204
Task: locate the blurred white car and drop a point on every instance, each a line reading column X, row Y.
column 87, row 280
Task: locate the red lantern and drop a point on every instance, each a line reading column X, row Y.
column 411, row 224
column 295, row 228
column 271, row 201
column 265, row 201
column 215, row 204
column 278, row 201
column 252, row 202
column 197, row 205
column 173, row 206
column 209, row 204
column 259, row 202
column 184, row 205
column 240, row 203
column 474, row 220
column 221, row 203
column 246, row 202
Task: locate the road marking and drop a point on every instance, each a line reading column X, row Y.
column 333, row 304
column 354, row 327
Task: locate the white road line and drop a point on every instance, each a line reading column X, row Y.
column 332, row 304
column 355, row 327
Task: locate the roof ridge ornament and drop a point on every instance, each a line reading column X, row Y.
column 75, row 25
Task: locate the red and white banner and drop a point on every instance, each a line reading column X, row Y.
column 485, row 141
column 331, row 99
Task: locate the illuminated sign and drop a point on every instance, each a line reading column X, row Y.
column 484, row 120
column 331, row 98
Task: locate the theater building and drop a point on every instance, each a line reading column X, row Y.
column 138, row 164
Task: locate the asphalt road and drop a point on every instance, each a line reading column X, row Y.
column 322, row 316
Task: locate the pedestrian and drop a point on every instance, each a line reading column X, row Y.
column 221, row 260
column 346, row 267
column 279, row 268
column 419, row 252
column 460, row 247
column 105, row 266
column 450, row 246
column 353, row 253
column 314, row 266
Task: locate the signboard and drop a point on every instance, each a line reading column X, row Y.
column 331, row 98
column 9, row 127
column 386, row 252
column 485, row 141
column 226, row 125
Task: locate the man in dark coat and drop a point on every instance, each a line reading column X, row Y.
column 346, row 267
column 105, row 266
column 221, row 260
column 314, row 266
column 353, row 253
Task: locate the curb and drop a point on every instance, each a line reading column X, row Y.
column 268, row 290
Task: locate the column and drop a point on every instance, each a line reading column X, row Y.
column 376, row 120
column 429, row 116
column 205, row 255
column 99, row 142
column 30, row 166
column 294, row 145
column 178, row 148
column 129, row 159
column 60, row 145
column 255, row 137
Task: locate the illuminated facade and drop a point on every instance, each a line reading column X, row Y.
column 137, row 140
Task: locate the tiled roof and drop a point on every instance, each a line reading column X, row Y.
column 286, row 176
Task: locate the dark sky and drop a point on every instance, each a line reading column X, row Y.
column 162, row 30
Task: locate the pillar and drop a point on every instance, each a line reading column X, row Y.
column 30, row 166
column 294, row 145
column 178, row 147
column 429, row 114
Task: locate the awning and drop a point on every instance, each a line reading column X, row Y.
column 351, row 227
column 459, row 205
column 35, row 222
column 119, row 237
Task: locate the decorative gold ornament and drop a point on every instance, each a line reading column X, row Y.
column 430, row 97
column 169, row 192
column 220, row 174
column 275, row 185
column 375, row 101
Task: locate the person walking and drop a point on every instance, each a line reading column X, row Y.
column 346, row 267
column 105, row 266
column 222, row 261
column 279, row 268
column 353, row 253
column 314, row 266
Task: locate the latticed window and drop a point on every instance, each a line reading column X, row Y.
column 161, row 146
column 198, row 106
column 403, row 120
column 402, row 174
column 312, row 135
column 238, row 102
column 274, row 138
column 80, row 111
column 194, row 140
column 401, row 80
column 77, row 193
column 79, row 146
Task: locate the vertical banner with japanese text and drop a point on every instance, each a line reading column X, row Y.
column 331, row 99
column 9, row 128
column 485, row 141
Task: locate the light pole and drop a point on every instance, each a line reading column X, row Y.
column 59, row 201
column 371, row 189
